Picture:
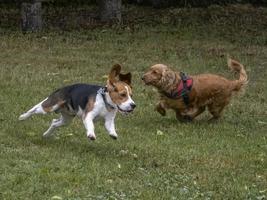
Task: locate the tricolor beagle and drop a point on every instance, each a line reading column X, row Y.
column 88, row 102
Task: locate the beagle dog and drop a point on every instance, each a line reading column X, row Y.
column 88, row 102
column 189, row 96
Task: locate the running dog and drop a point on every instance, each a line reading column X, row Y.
column 189, row 96
column 88, row 102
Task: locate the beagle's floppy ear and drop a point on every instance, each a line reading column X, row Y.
column 127, row 78
column 114, row 72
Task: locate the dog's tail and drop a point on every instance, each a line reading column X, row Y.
column 239, row 68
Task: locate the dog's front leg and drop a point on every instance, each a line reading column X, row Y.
column 89, row 125
column 110, row 125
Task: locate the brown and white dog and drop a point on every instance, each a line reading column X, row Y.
column 88, row 102
column 189, row 96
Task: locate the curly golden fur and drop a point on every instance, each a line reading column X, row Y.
column 208, row 90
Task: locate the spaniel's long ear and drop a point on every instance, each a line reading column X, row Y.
column 168, row 77
column 127, row 78
column 114, row 72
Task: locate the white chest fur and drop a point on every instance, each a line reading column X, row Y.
column 100, row 110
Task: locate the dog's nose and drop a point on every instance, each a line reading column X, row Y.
column 133, row 105
column 143, row 77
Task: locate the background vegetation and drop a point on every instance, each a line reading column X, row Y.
column 155, row 157
column 157, row 3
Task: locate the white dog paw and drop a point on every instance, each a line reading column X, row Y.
column 113, row 135
column 46, row 134
column 91, row 136
column 23, row 116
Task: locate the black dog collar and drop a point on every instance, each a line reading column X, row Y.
column 103, row 91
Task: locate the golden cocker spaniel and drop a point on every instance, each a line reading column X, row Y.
column 189, row 96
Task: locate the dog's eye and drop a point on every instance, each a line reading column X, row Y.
column 123, row 95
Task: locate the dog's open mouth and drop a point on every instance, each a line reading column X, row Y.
column 148, row 82
column 124, row 111
column 145, row 82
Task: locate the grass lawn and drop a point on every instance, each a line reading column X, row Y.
column 154, row 157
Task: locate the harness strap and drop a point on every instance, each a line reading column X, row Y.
column 103, row 91
column 185, row 89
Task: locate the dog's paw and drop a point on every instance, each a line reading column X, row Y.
column 214, row 120
column 113, row 136
column 187, row 119
column 23, row 116
column 91, row 137
column 46, row 135
column 184, row 119
column 161, row 110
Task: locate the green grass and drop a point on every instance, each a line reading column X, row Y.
column 199, row 160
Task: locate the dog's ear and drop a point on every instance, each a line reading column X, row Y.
column 110, row 86
column 168, row 76
column 114, row 72
column 127, row 78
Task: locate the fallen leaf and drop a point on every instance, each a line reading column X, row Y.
column 109, row 181
column 134, row 155
column 159, row 132
column 56, row 197
column 123, row 152
column 262, row 197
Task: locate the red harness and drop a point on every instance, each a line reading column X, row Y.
column 183, row 89
column 188, row 83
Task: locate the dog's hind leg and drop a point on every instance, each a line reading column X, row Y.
column 46, row 106
column 179, row 117
column 190, row 114
column 37, row 109
column 216, row 110
column 197, row 112
column 63, row 120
